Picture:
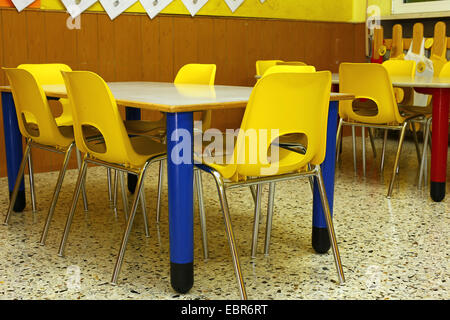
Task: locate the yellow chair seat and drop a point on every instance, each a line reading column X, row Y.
column 140, row 127
column 144, row 147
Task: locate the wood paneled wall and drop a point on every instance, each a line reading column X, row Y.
column 133, row 47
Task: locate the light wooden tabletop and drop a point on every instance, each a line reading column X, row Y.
column 417, row 82
column 168, row 97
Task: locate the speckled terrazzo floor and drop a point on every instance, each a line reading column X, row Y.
column 390, row 249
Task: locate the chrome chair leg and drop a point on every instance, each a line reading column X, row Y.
column 201, row 208
column 330, row 227
column 83, row 190
column 124, row 194
column 397, row 158
column 130, row 220
column 59, row 183
column 116, row 181
column 383, row 152
column 76, row 196
column 363, row 139
column 339, row 139
column 31, row 178
column 270, row 204
column 144, row 212
column 17, row 183
column 253, row 191
column 416, row 142
column 230, row 235
column 160, row 183
column 354, row 148
column 256, row 220
column 110, row 191
column 423, row 163
column 372, row 142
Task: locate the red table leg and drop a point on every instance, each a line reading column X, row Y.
column 439, row 141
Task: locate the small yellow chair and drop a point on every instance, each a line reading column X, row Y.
column 280, row 104
column 50, row 74
column 294, row 141
column 405, row 99
column 263, row 65
column 95, row 107
column 371, row 81
column 42, row 132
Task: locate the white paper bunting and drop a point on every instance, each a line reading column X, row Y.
column 194, row 5
column 77, row 7
column 262, row 1
column 115, row 7
column 234, row 4
column 153, row 7
column 22, row 4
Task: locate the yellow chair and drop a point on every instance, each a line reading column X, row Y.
column 405, row 99
column 280, row 104
column 444, row 73
column 294, row 141
column 371, row 81
column 95, row 107
column 263, row 65
column 50, row 74
column 42, row 132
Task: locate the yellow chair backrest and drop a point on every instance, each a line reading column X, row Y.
column 94, row 106
column 405, row 68
column 445, row 71
column 196, row 73
column 289, row 68
column 50, row 73
column 368, row 81
column 31, row 102
column 47, row 73
column 290, row 63
column 280, row 104
column 263, row 65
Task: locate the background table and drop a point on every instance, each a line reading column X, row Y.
column 439, row 88
column 179, row 102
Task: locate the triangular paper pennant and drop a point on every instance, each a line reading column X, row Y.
column 115, row 7
column 22, row 4
column 234, row 4
column 194, row 5
column 153, row 7
column 262, row 1
column 76, row 7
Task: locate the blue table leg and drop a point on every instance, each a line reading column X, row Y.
column 320, row 239
column 13, row 146
column 132, row 114
column 180, row 175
